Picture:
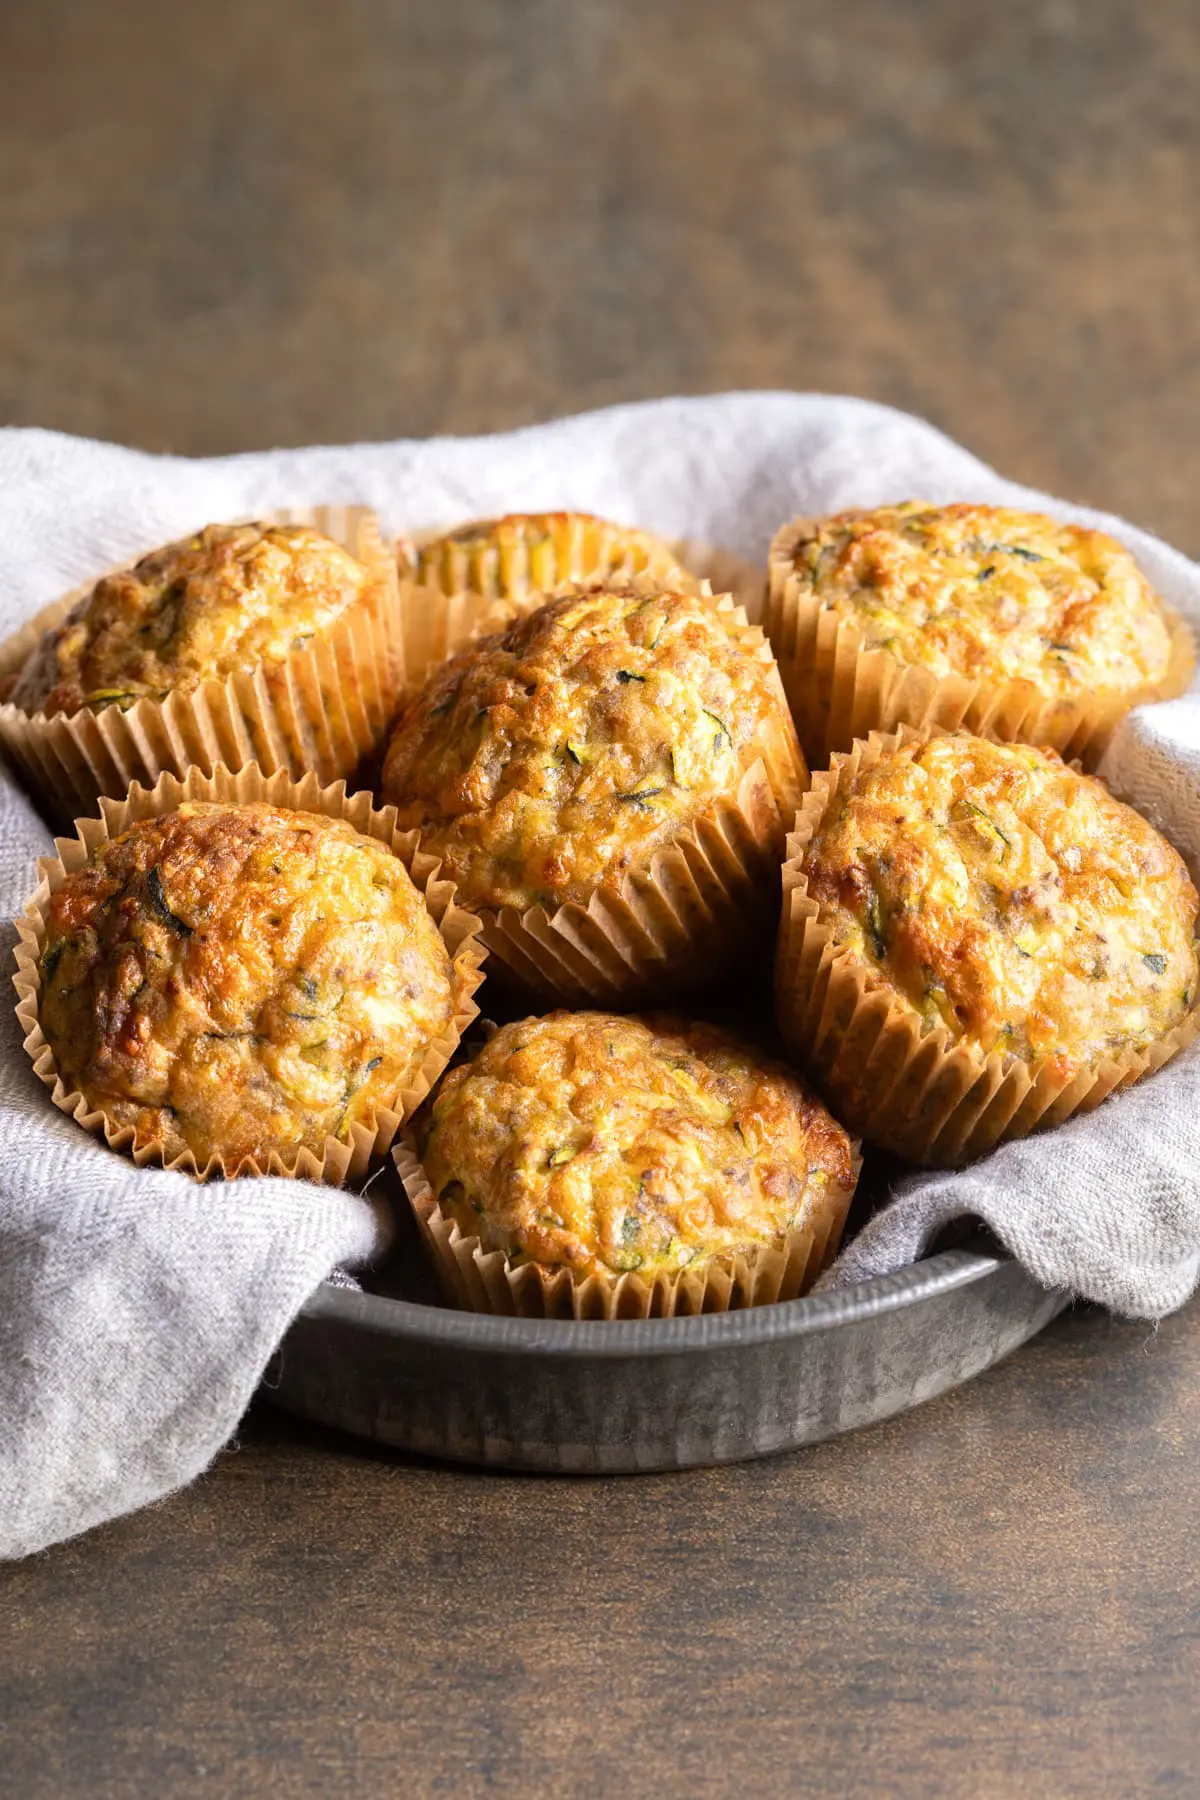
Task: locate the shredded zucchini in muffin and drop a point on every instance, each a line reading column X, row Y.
column 239, row 980
column 990, row 592
column 225, row 600
column 567, row 750
column 608, row 1144
column 1010, row 899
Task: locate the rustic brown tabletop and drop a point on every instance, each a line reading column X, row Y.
column 231, row 225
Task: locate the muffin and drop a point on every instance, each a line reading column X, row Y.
column 1007, row 622
column 527, row 553
column 451, row 581
column 608, row 782
column 270, row 641
column 591, row 1165
column 235, row 986
column 978, row 939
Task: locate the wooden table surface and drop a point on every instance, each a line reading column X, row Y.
column 233, row 225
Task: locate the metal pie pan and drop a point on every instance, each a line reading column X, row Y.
column 619, row 1397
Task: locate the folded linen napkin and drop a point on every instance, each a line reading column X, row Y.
column 138, row 1310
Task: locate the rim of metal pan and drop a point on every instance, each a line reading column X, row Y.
column 930, row 1279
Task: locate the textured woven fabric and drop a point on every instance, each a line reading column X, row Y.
column 137, row 1310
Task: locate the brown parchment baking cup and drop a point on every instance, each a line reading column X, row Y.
column 673, row 925
column 890, row 1075
column 340, row 1160
column 478, row 1280
column 839, row 691
column 440, row 618
column 321, row 710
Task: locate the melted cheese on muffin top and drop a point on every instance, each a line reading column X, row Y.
column 241, row 979
column 225, row 600
column 568, row 749
column 608, row 1144
column 1010, row 899
column 989, row 592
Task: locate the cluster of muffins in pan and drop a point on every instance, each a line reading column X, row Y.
column 323, row 786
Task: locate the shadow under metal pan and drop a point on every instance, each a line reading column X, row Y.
column 638, row 1395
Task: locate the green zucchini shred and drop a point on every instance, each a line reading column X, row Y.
column 722, row 729
column 977, row 812
column 50, row 959
column 158, row 901
column 876, row 923
column 1019, row 550
column 102, row 697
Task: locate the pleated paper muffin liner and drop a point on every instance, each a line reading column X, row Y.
column 839, row 691
column 478, row 1280
column 439, row 619
column 673, row 925
column 902, row 1083
column 339, row 1160
column 319, row 711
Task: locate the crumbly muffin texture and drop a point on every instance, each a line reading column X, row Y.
column 227, row 599
column 567, row 750
column 525, row 553
column 1010, row 899
column 239, row 980
column 989, row 592
column 609, row 1144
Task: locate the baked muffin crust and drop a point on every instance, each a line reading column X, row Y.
column 568, row 749
column 1010, row 899
column 991, row 593
column 605, row 1144
column 227, row 599
column 241, row 980
column 524, row 553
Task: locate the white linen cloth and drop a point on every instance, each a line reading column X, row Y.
column 138, row 1310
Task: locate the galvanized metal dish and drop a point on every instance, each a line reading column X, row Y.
column 619, row 1397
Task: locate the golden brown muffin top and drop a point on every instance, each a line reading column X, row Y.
column 990, row 593
column 227, row 599
column 525, row 553
column 241, row 979
column 1010, row 899
column 570, row 748
column 608, row 1144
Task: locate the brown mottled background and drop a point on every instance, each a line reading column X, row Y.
column 226, row 225
column 250, row 222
